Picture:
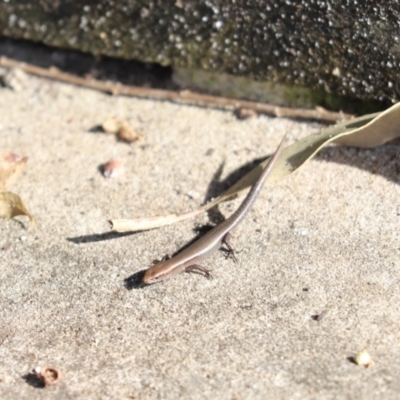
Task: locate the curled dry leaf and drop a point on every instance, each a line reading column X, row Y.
column 366, row 131
column 112, row 169
column 48, row 375
column 122, row 129
column 11, row 205
column 11, row 168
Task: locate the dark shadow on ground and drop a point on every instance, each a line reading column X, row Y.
column 99, row 237
column 32, row 380
column 382, row 160
column 217, row 187
column 134, row 281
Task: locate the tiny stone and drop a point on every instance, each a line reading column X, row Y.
column 112, row 169
column 363, row 358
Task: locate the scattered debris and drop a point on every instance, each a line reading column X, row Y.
column 48, row 375
column 11, row 168
column 122, row 129
column 112, row 168
column 363, row 358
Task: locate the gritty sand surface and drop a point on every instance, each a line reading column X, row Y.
column 324, row 241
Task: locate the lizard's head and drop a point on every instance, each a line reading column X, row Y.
column 154, row 274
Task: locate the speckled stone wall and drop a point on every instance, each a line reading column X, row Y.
column 344, row 47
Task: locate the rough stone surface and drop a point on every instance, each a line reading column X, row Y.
column 317, row 278
column 344, row 47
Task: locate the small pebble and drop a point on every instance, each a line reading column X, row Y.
column 48, row 375
column 363, row 358
column 112, row 169
column 112, row 125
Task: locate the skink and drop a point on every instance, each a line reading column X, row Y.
column 189, row 259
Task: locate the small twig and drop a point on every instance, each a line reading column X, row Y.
column 184, row 96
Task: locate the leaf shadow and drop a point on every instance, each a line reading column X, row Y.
column 382, row 160
column 21, row 224
column 216, row 187
column 99, row 237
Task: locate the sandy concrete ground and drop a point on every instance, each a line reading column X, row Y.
column 324, row 241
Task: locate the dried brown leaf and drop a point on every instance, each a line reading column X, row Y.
column 142, row 224
column 366, row 131
column 11, row 205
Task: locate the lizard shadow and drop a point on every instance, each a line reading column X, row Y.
column 135, row 281
column 383, row 160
